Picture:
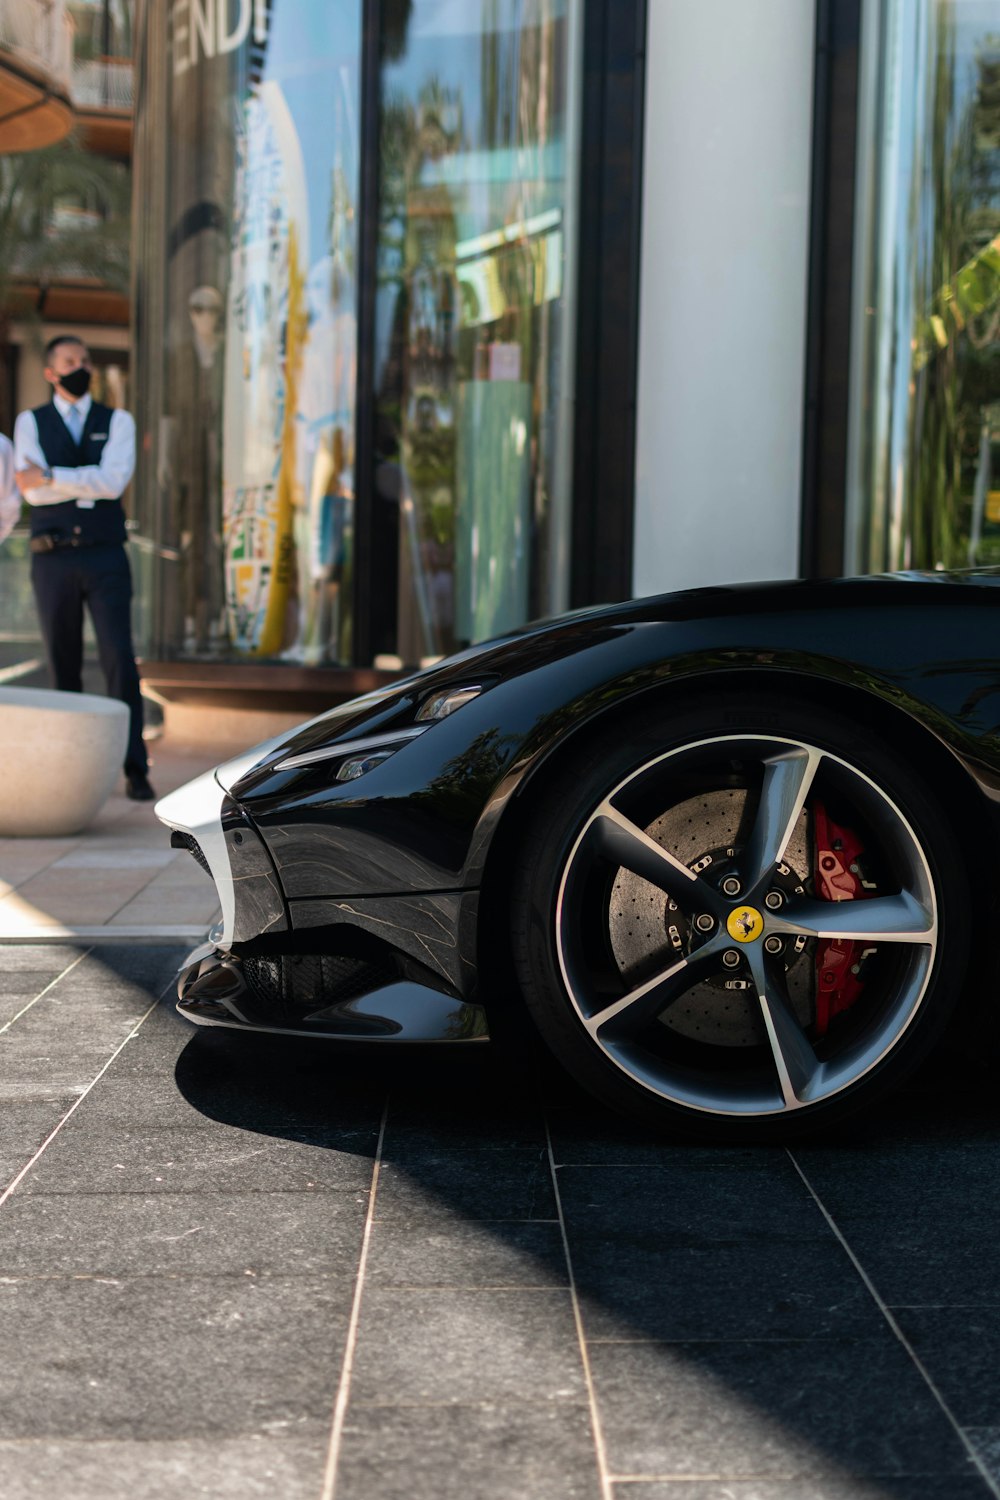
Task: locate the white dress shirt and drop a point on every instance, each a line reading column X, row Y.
column 91, row 482
column 10, row 495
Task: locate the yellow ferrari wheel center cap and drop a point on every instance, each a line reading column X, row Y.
column 744, row 924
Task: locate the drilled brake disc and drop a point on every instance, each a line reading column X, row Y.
column 648, row 933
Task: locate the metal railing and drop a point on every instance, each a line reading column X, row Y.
column 103, row 83
column 40, row 34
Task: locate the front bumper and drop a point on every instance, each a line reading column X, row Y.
column 320, row 995
column 399, row 968
column 194, row 815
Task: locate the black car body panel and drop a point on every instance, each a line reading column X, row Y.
column 353, row 906
column 423, row 821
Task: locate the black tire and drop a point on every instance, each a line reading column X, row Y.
column 828, row 1003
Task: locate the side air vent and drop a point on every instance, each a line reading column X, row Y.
column 186, row 841
column 310, row 981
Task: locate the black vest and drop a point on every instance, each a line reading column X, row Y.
column 105, row 523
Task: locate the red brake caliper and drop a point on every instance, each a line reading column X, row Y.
column 837, row 959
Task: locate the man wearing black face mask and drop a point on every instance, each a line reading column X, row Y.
column 73, row 459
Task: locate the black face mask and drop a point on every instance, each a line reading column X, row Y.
column 77, row 382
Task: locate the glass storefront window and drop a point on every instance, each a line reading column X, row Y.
column 102, row 29
column 246, row 247
column 924, row 451
column 246, row 243
column 474, row 320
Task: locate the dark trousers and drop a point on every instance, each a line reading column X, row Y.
column 100, row 577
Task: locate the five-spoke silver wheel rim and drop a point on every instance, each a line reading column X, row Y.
column 790, row 1072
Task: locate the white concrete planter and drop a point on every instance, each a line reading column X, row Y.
column 60, row 755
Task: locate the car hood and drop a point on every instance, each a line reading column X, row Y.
column 392, row 707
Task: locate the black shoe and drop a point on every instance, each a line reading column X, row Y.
column 137, row 787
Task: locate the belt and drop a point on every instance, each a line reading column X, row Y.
column 52, row 541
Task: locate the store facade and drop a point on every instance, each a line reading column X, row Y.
column 357, row 306
column 451, row 314
column 923, row 457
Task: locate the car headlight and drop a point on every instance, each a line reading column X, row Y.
column 440, row 705
column 377, row 748
column 360, row 765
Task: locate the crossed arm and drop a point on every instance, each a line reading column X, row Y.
column 103, row 481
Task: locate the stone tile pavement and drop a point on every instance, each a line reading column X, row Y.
column 120, row 878
column 239, row 1268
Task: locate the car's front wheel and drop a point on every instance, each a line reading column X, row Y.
column 745, row 917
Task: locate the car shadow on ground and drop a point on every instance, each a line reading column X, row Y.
column 722, row 1292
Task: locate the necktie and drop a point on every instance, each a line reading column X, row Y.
column 74, row 424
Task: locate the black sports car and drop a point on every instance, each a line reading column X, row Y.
column 733, row 849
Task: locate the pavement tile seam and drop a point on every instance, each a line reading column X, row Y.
column 342, row 1401
column 189, row 1278
column 768, row 1476
column 480, row 1286
column 96, row 1444
column 593, row 1406
column 974, row 1458
column 396, row 1223
column 335, row 1193
column 11, row 1187
column 145, row 936
column 528, row 1404
column 781, row 1341
column 465, row 1290
column 43, row 992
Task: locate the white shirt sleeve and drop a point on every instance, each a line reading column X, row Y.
column 103, row 481
column 10, row 495
column 27, row 448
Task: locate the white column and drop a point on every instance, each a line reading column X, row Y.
column 726, row 184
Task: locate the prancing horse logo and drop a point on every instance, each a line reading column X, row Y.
column 744, row 924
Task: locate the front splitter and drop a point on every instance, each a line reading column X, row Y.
column 212, row 992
